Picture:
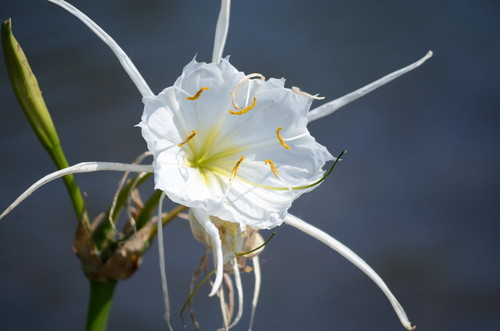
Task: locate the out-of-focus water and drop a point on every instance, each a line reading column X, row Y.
column 417, row 195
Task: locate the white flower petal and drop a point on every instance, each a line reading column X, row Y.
column 221, row 30
column 256, row 291
column 125, row 61
column 161, row 256
column 330, row 107
column 204, row 220
column 239, row 290
column 354, row 259
column 75, row 169
column 229, row 232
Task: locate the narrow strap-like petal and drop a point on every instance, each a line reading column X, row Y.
column 77, row 168
column 223, row 308
column 221, row 30
column 330, row 107
column 239, row 290
column 161, row 256
column 256, row 291
column 204, row 220
column 125, row 61
column 354, row 259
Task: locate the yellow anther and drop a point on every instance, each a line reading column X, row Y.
column 282, row 142
column 244, row 110
column 273, row 167
column 235, row 169
column 197, row 95
column 191, row 136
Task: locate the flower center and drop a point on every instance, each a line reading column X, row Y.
column 211, row 153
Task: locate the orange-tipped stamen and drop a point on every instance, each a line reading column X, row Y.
column 197, row 95
column 244, row 110
column 282, row 142
column 273, row 167
column 191, row 136
column 235, row 169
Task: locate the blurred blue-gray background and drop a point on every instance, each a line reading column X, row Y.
column 417, row 196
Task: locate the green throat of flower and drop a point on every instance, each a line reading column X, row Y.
column 212, row 155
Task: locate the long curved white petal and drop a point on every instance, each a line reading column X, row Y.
column 125, row 61
column 354, row 259
column 256, row 291
column 330, row 107
column 77, row 168
column 221, row 30
column 213, row 232
column 239, row 290
column 161, row 256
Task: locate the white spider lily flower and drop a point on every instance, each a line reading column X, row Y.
column 231, row 147
column 242, row 163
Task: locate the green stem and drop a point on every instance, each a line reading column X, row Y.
column 101, row 295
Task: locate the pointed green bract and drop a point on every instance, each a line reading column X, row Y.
column 26, row 88
column 29, row 96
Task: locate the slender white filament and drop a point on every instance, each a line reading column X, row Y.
column 239, row 289
column 161, row 255
column 330, row 107
column 256, row 291
column 223, row 309
column 125, row 61
column 221, row 30
column 77, row 168
column 213, row 232
column 354, row 259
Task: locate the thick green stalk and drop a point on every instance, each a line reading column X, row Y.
column 101, row 295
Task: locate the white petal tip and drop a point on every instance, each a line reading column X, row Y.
column 427, row 56
column 409, row 326
column 217, row 285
